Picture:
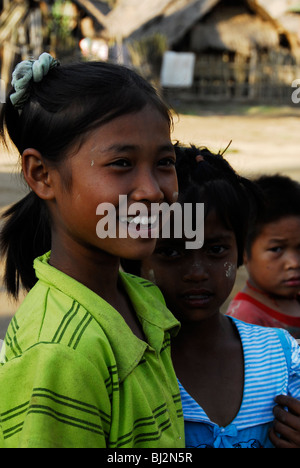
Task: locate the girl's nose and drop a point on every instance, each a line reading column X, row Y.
column 196, row 270
column 147, row 189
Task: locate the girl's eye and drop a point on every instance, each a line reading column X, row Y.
column 168, row 252
column 167, row 162
column 217, row 249
column 121, row 163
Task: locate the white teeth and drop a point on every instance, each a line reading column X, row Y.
column 136, row 220
column 153, row 219
column 143, row 220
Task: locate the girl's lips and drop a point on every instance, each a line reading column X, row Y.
column 197, row 298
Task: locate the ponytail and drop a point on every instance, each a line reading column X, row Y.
column 25, row 235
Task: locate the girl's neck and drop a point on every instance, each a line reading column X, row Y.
column 97, row 270
column 205, row 333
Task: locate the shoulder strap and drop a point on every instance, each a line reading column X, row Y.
column 285, row 345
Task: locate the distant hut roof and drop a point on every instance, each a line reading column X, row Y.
column 219, row 29
column 130, row 15
column 177, row 19
column 249, row 25
column 170, row 17
column 234, row 29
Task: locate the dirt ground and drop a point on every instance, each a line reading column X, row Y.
column 264, row 140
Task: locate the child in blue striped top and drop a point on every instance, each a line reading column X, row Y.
column 234, row 377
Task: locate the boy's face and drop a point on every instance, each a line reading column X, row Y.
column 274, row 264
column 195, row 283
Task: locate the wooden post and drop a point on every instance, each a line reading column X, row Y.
column 35, row 32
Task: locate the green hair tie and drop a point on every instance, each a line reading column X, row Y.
column 25, row 72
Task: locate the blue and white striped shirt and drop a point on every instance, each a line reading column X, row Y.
column 271, row 368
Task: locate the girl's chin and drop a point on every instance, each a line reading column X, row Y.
column 138, row 250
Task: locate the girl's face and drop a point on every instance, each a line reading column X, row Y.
column 274, row 264
column 133, row 156
column 195, row 283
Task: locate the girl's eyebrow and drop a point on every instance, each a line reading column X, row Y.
column 219, row 238
column 119, row 148
column 171, row 242
column 123, row 147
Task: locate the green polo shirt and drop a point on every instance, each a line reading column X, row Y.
column 73, row 374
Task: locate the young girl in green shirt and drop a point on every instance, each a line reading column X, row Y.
column 86, row 359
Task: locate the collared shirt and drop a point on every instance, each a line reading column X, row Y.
column 271, row 368
column 74, row 375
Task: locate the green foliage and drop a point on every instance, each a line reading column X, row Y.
column 61, row 25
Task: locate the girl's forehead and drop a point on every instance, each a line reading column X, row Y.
column 127, row 132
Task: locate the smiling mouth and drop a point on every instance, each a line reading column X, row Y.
column 140, row 222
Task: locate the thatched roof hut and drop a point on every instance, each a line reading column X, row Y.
column 236, row 30
column 169, row 17
column 233, row 25
column 130, row 15
column 224, row 25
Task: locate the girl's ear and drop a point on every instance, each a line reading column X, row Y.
column 36, row 173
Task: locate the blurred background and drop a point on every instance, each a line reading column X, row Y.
column 230, row 69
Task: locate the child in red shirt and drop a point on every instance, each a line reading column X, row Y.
column 271, row 296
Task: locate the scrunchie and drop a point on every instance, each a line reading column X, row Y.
column 25, row 72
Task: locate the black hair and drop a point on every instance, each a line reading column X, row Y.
column 70, row 101
column 280, row 198
column 212, row 181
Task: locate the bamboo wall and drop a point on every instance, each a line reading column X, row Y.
column 263, row 78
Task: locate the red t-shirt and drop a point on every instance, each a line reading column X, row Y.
column 250, row 310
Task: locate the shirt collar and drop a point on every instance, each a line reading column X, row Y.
column 128, row 349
